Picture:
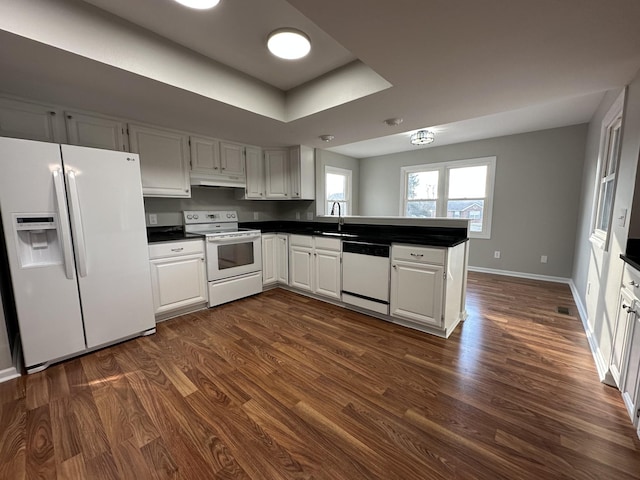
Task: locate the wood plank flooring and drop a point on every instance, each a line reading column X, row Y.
column 280, row 386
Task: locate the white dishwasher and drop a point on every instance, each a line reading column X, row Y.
column 365, row 275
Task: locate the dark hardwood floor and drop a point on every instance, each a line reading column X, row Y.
column 280, row 386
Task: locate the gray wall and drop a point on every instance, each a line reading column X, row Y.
column 536, row 202
column 324, row 158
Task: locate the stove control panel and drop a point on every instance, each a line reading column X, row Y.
column 209, row 216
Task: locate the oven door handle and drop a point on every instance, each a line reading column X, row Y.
column 240, row 239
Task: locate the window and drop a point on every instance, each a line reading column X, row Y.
column 607, row 168
column 457, row 189
column 337, row 187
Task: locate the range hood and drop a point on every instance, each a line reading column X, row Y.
column 229, row 181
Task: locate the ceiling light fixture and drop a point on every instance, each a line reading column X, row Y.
column 289, row 43
column 394, row 122
column 199, row 4
column 326, row 138
column 422, row 137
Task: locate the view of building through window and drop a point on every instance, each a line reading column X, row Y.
column 337, row 189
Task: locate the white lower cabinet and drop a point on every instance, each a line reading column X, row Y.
column 275, row 258
column 416, row 292
column 427, row 285
column 178, row 277
column 315, row 265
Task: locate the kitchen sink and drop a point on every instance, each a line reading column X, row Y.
column 336, row 234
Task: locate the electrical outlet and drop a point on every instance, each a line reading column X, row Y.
column 543, row 259
column 297, row 215
column 496, row 254
column 153, row 219
column 256, row 216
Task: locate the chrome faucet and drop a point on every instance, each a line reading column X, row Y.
column 340, row 219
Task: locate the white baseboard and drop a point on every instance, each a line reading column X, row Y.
column 529, row 276
column 602, row 366
column 8, row 374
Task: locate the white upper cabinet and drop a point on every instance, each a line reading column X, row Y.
column 95, row 131
column 276, row 166
column 302, row 172
column 164, row 161
column 31, row 121
column 255, row 173
column 231, row 158
column 205, row 155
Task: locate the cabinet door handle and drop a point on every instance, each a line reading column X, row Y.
column 395, row 266
column 634, row 284
column 418, row 255
column 177, row 249
column 628, row 308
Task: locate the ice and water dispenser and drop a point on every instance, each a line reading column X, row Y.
column 37, row 239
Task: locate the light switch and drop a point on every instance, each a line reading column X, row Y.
column 153, row 219
column 622, row 217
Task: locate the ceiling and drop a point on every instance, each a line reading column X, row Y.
column 469, row 69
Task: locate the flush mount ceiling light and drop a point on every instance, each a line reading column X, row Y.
column 422, row 137
column 199, row 4
column 326, row 138
column 289, row 43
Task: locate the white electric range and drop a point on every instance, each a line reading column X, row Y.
column 234, row 255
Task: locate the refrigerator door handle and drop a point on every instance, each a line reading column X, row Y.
column 63, row 223
column 76, row 224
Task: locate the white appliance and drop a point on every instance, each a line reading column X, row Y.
column 366, row 270
column 75, row 237
column 234, row 255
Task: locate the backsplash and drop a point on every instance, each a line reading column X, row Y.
column 169, row 210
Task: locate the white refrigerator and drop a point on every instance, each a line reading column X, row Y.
column 75, row 235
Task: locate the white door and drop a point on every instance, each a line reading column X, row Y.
column 416, row 292
column 97, row 132
column 108, row 226
column 255, row 173
column 282, row 258
column 45, row 289
column 178, row 282
column 269, row 267
column 205, row 155
column 231, row 158
column 276, row 164
column 327, row 273
column 164, row 161
column 301, row 267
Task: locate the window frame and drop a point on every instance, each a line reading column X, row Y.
column 348, row 174
column 442, row 197
column 604, row 177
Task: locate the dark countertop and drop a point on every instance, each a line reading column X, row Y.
column 169, row 234
column 632, row 254
column 384, row 234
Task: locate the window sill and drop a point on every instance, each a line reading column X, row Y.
column 598, row 241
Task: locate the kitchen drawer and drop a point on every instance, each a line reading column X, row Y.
column 630, row 275
column 323, row 243
column 174, row 249
column 301, row 241
column 412, row 253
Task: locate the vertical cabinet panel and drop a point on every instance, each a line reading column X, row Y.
column 631, row 372
column 327, row 273
column 624, row 322
column 301, row 267
column 255, row 173
column 164, row 161
column 282, row 258
column 96, row 132
column 276, row 164
column 269, row 266
column 205, row 155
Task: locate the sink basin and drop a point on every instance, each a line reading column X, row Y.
column 337, row 234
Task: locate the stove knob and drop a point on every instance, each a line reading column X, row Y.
column 189, row 217
column 195, row 217
column 233, row 215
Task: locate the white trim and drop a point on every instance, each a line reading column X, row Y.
column 529, row 276
column 602, row 366
column 9, row 374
